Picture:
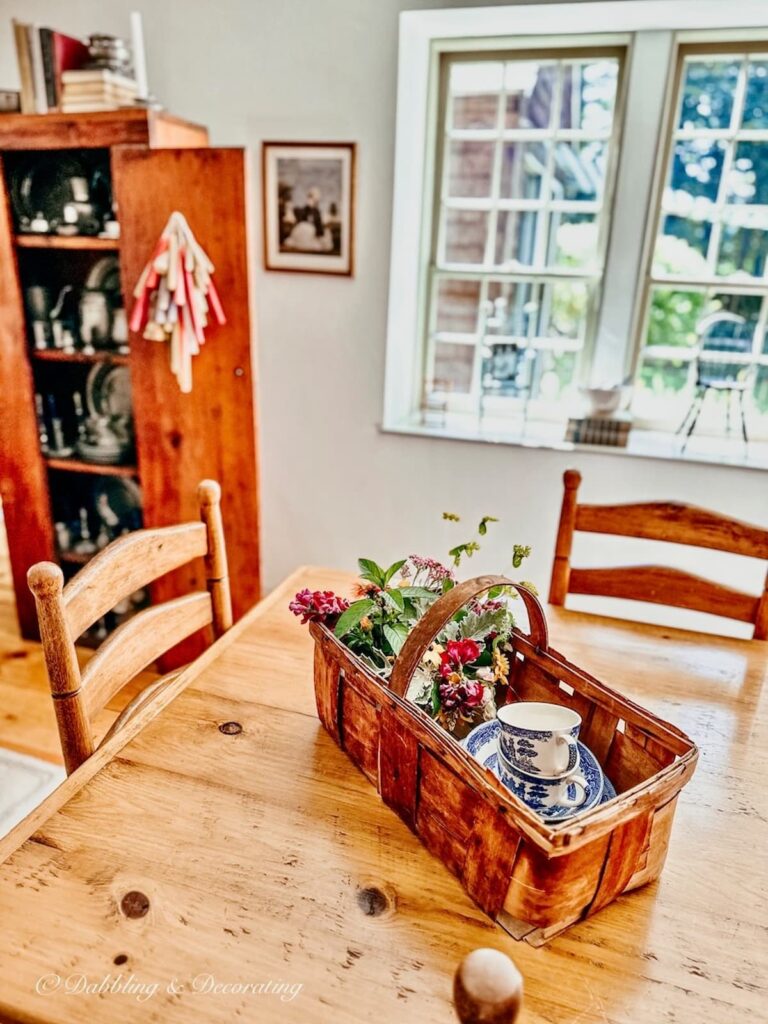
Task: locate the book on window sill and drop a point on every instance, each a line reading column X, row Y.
column 611, row 431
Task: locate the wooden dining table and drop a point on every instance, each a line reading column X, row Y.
column 223, row 860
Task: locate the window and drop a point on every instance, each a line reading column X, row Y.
column 524, row 180
column 577, row 210
column 707, row 297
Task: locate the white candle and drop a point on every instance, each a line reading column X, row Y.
column 139, row 58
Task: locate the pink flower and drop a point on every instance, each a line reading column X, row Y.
column 458, row 653
column 435, row 571
column 463, row 697
column 318, row 606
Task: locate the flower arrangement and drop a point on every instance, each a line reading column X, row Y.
column 464, row 674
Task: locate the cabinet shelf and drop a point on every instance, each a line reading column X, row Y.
column 75, row 557
column 53, row 355
column 86, row 243
column 78, row 466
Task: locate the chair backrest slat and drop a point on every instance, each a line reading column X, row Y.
column 661, row 584
column 138, row 642
column 671, row 522
column 675, row 523
column 127, row 565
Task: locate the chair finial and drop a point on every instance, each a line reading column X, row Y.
column 209, row 492
column 487, row 988
column 571, row 479
column 45, row 579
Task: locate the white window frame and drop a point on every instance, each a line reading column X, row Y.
column 541, row 273
column 656, row 28
column 712, row 284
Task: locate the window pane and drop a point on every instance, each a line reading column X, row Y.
column 474, row 95
column 470, row 168
column 746, row 307
column 674, row 316
column 756, row 99
column 760, row 393
column 522, row 167
column 553, row 374
column 664, row 379
column 579, row 170
column 453, row 367
column 682, row 247
column 516, row 237
column 564, row 309
column 742, row 251
column 529, row 86
column 465, row 234
column 572, row 240
column 512, row 309
column 696, row 168
column 748, row 180
column 708, row 89
column 589, row 94
column 457, row 306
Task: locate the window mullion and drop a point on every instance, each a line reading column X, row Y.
column 729, row 141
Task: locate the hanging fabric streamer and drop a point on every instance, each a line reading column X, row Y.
column 175, row 295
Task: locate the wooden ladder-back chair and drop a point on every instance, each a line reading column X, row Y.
column 659, row 584
column 127, row 564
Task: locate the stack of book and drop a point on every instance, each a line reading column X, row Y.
column 43, row 56
column 612, row 431
column 96, row 89
column 55, row 74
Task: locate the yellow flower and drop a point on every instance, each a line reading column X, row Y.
column 365, row 624
column 500, row 666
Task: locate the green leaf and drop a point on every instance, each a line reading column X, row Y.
column 448, row 584
column 482, row 528
column 352, row 616
column 477, row 627
column 369, row 570
column 395, row 598
column 396, row 636
column 393, row 569
column 418, row 593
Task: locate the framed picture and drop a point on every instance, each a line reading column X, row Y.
column 309, row 206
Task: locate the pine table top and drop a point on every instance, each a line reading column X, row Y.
column 184, row 862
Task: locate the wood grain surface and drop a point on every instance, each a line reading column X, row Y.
column 231, row 838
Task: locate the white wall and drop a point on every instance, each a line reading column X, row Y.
column 333, row 486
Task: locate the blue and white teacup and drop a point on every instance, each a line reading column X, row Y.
column 542, row 794
column 539, row 739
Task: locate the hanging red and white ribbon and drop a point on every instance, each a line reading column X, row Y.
column 175, row 296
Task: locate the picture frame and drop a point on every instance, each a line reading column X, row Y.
column 308, row 195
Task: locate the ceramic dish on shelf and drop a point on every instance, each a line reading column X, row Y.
column 108, row 391
column 482, row 744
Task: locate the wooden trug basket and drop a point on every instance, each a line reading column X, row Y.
column 533, row 878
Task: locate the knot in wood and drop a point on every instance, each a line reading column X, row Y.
column 134, row 904
column 372, row 901
column 230, row 728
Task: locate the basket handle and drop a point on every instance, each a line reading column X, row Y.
column 442, row 611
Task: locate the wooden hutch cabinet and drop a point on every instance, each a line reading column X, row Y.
column 155, row 164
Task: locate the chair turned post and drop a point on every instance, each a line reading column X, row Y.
column 216, row 570
column 761, row 619
column 561, row 568
column 487, row 988
column 46, row 581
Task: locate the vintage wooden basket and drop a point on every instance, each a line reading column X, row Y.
column 534, row 878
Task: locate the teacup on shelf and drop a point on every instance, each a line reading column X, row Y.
column 539, row 739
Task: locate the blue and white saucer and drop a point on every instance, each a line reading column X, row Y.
column 482, row 744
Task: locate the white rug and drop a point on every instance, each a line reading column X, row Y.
column 24, row 783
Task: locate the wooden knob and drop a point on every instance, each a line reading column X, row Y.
column 487, row 988
column 209, row 492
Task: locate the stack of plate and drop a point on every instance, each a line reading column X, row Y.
column 482, row 744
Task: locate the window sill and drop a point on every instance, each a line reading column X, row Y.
column 644, row 444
